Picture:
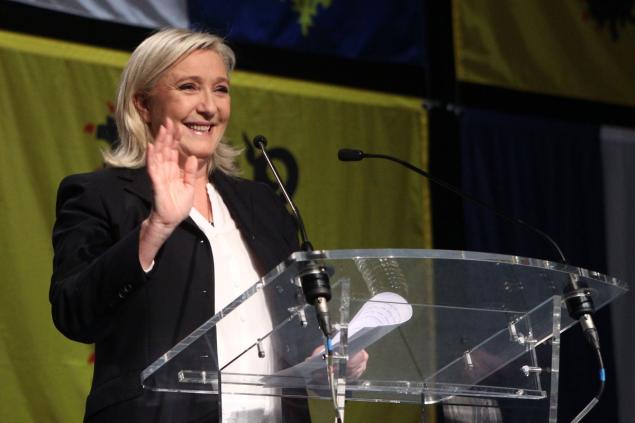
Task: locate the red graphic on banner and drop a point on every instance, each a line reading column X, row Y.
column 106, row 131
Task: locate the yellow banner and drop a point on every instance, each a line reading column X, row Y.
column 56, row 107
column 563, row 48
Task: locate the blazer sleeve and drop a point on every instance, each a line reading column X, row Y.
column 94, row 268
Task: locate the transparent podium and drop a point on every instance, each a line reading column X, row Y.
column 435, row 324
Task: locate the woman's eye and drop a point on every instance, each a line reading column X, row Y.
column 187, row 86
column 222, row 89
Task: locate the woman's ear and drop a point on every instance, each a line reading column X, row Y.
column 141, row 104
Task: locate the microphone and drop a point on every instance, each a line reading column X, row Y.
column 313, row 277
column 577, row 296
column 348, row 155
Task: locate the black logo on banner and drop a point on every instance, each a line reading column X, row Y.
column 279, row 155
column 615, row 14
column 106, row 131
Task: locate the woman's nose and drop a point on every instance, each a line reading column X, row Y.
column 207, row 104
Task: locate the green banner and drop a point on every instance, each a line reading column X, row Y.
column 56, row 108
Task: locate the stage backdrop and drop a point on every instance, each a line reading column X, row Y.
column 387, row 31
column 56, row 106
column 573, row 48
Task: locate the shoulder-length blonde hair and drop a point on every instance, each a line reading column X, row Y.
column 147, row 64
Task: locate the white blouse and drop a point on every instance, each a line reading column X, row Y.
column 234, row 273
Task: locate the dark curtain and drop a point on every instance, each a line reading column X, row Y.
column 618, row 154
column 549, row 174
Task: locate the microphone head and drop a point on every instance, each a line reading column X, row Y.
column 348, row 155
column 260, row 141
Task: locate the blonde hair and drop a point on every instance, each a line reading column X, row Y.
column 146, row 66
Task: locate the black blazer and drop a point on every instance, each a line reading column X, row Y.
column 100, row 294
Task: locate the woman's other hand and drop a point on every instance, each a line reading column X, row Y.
column 356, row 364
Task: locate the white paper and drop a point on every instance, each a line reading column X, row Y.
column 377, row 317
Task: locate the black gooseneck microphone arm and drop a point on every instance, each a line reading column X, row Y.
column 314, row 278
column 579, row 302
column 576, row 295
column 348, row 155
column 260, row 142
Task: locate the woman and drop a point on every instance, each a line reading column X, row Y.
column 147, row 248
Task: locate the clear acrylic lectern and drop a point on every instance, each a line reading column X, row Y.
column 436, row 324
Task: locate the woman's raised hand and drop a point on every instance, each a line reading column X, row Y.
column 173, row 188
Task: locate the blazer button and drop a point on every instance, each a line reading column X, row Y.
column 202, row 241
column 123, row 292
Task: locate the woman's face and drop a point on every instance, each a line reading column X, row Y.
column 194, row 94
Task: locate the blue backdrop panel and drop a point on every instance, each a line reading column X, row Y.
column 380, row 30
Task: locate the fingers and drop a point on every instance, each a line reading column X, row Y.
column 173, row 186
column 357, row 364
column 166, row 138
column 162, row 156
column 359, row 360
column 155, row 153
column 172, row 139
column 176, row 131
column 189, row 170
column 173, row 133
column 169, row 133
column 164, row 148
column 360, row 357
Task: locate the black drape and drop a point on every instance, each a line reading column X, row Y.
column 547, row 173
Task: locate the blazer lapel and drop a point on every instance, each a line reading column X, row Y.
column 242, row 201
column 138, row 183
